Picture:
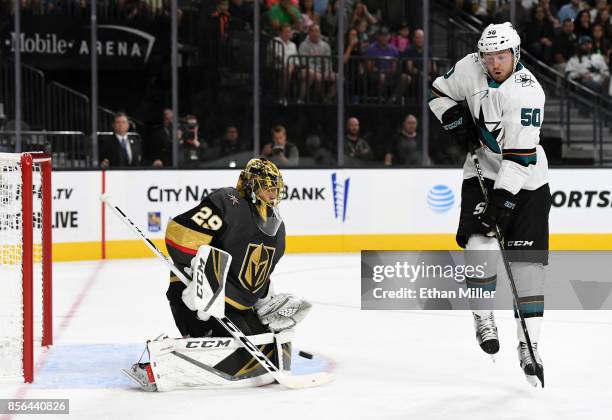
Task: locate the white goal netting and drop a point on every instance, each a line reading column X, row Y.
column 12, row 251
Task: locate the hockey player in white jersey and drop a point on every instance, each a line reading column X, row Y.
column 502, row 120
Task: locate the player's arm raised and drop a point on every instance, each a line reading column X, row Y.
column 447, row 93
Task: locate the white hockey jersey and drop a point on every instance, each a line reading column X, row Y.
column 508, row 117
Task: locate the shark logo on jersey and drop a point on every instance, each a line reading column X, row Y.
column 485, row 93
column 524, row 79
column 489, row 137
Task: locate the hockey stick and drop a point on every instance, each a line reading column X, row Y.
column 290, row 381
column 500, row 241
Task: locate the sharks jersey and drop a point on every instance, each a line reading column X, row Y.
column 508, row 117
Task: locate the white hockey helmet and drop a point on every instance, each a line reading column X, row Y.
column 499, row 37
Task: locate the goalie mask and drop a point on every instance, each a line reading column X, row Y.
column 261, row 183
column 499, row 37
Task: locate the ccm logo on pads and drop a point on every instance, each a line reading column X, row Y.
column 520, row 243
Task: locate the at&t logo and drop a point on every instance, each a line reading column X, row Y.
column 440, row 198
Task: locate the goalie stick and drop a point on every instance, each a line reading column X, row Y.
column 500, row 240
column 289, row 381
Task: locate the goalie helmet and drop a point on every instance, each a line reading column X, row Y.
column 259, row 178
column 499, row 37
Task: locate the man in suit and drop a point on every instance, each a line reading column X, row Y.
column 159, row 149
column 120, row 148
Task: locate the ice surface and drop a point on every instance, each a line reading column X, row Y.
column 421, row 365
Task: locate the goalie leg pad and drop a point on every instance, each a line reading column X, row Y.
column 214, row 362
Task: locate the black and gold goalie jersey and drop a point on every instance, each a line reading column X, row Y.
column 225, row 220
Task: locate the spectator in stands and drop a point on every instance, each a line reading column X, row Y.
column 317, row 61
column 588, row 68
column 502, row 14
column 121, row 148
column 464, row 6
column 282, row 58
column 404, row 149
column 382, row 69
column 582, row 24
column 603, row 18
column 600, row 6
column 229, row 144
column 564, row 45
column 329, row 20
column 354, row 68
column 54, row 7
column 360, row 11
column 320, row 6
column 569, row 10
column 272, row 3
column 415, row 51
column 401, row 40
column 485, row 9
column 539, row 38
column 600, row 44
column 279, row 150
column 551, row 13
column 363, row 34
column 193, row 148
column 159, row 149
column 355, row 147
column 239, row 9
column 318, row 155
column 221, row 18
column 309, row 16
column 285, row 13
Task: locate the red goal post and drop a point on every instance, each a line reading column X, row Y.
column 25, row 260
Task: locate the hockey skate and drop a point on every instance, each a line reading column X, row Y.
column 486, row 333
column 531, row 370
column 142, row 374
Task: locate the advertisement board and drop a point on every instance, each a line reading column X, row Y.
column 327, row 210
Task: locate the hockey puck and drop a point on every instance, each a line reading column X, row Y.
column 304, row 354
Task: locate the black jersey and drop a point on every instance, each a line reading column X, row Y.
column 226, row 221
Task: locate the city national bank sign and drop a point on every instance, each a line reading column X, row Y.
column 62, row 43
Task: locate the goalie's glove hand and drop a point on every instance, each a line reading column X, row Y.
column 282, row 311
column 457, row 121
column 499, row 211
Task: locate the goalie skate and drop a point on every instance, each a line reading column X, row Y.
column 486, row 333
column 530, row 369
column 142, row 374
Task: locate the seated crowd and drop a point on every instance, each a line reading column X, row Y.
column 124, row 147
column 573, row 36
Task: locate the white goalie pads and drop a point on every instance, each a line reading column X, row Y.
column 189, row 363
column 206, row 292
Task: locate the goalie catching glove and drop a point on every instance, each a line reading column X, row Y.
column 282, row 311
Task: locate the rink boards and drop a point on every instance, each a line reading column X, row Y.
column 324, row 210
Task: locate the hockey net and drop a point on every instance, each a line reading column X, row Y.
column 25, row 261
